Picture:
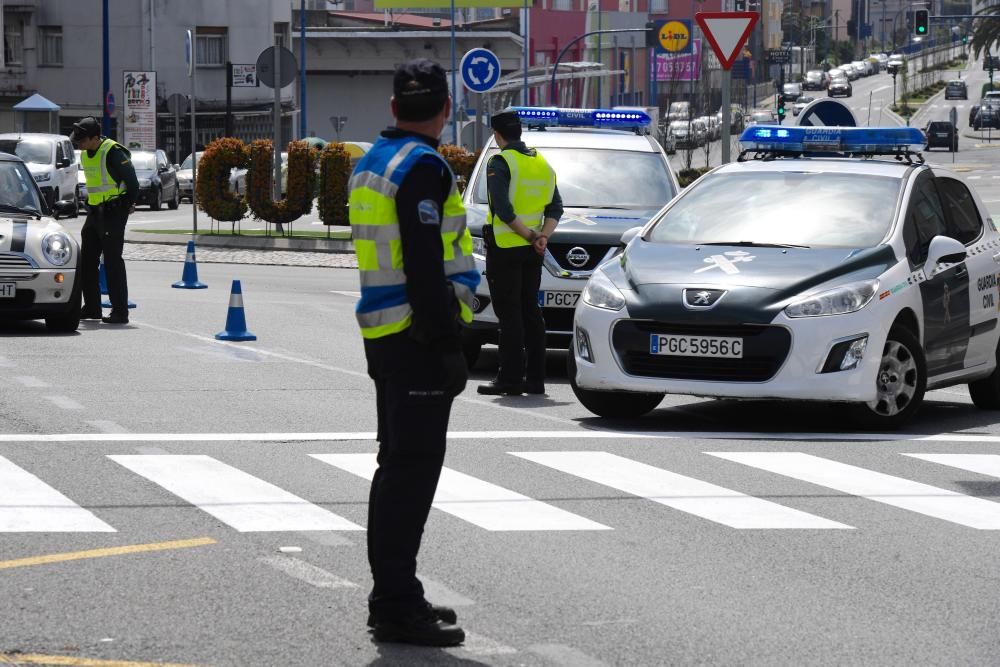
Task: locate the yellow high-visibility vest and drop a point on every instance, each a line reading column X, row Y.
column 532, row 183
column 384, row 307
column 100, row 186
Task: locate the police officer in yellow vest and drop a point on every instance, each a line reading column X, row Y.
column 418, row 279
column 112, row 188
column 525, row 208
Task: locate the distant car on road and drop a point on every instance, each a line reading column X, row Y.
column 157, row 179
column 762, row 117
column 679, row 111
column 956, row 90
column 791, row 91
column 184, row 174
column 840, row 87
column 815, row 79
column 801, row 104
column 941, row 134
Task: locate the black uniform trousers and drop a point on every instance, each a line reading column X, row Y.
column 514, row 276
column 104, row 232
column 413, row 410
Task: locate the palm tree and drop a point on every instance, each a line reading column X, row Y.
column 986, row 34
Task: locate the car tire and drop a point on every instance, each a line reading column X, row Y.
column 68, row 322
column 176, row 201
column 611, row 404
column 157, row 202
column 985, row 393
column 901, row 380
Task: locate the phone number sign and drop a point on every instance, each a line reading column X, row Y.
column 680, row 68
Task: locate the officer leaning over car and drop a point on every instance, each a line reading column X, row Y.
column 112, row 189
column 525, row 208
column 418, row 279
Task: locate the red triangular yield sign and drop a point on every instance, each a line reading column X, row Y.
column 727, row 32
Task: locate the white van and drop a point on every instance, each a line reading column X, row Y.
column 50, row 159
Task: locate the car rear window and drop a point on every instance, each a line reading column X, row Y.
column 844, row 210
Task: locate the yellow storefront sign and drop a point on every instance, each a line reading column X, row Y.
column 674, row 36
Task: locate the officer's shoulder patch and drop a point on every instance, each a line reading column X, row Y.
column 427, row 210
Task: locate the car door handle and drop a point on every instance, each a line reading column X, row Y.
column 962, row 271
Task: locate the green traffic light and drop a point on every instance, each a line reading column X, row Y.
column 921, row 29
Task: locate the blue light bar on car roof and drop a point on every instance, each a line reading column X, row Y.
column 858, row 140
column 559, row 117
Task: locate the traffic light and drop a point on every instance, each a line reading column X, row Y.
column 965, row 39
column 921, row 19
column 740, row 5
column 779, row 104
column 652, row 38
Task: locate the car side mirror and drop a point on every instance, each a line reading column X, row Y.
column 629, row 235
column 64, row 207
column 943, row 250
column 177, row 167
column 63, row 163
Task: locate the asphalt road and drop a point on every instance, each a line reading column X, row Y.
column 709, row 532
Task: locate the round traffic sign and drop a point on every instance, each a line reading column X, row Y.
column 109, row 103
column 674, row 36
column 825, row 112
column 265, row 67
column 480, row 70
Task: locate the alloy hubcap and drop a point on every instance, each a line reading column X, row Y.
column 896, row 383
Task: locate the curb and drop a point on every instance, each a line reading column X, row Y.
column 245, row 242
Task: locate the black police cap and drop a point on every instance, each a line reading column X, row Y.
column 506, row 119
column 85, row 128
column 418, row 78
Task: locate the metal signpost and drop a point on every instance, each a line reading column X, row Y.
column 276, row 67
column 953, row 117
column 727, row 32
column 189, row 56
column 480, row 70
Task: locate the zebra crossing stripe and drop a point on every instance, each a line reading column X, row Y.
column 232, row 496
column 686, row 494
column 479, row 502
column 984, row 464
column 29, row 505
column 895, row 491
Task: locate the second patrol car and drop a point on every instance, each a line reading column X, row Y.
column 807, row 270
column 612, row 176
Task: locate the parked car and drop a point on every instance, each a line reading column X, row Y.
column 713, row 126
column 956, row 90
column 941, row 134
column 986, row 115
column 736, row 118
column 40, row 258
column 762, row 117
column 840, row 87
column 51, row 160
column 679, row 111
column 184, row 174
column 157, row 179
column 238, row 177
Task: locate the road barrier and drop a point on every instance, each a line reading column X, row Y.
column 236, row 321
column 189, row 278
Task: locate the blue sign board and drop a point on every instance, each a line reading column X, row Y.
column 480, row 69
column 825, row 112
column 741, row 69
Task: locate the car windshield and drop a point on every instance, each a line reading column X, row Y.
column 848, row 210
column 763, row 116
column 17, row 187
column 34, row 151
column 187, row 162
column 593, row 178
column 144, row 161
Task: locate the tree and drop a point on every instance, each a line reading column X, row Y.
column 986, row 34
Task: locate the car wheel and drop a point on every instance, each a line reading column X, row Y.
column 611, row 404
column 157, row 202
column 176, row 201
column 68, row 322
column 901, row 382
column 985, row 393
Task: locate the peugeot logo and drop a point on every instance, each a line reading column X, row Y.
column 702, row 298
column 577, row 256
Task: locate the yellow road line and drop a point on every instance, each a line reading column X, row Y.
column 34, row 659
column 102, row 553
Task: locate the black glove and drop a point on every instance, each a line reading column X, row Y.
column 456, row 372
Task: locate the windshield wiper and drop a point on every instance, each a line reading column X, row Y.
column 10, row 208
column 617, row 207
column 755, row 244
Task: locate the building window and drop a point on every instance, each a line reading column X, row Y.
column 281, row 34
column 50, row 46
column 658, row 6
column 13, row 38
column 562, row 5
column 212, row 48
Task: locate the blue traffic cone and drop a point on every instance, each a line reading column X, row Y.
column 189, row 279
column 103, row 280
column 236, row 321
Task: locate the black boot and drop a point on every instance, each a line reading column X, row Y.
column 498, row 388
column 420, row 627
column 446, row 614
column 116, row 318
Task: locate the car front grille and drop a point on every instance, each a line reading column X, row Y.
column 596, row 252
column 764, row 351
column 558, row 319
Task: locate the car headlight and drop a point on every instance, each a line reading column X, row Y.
column 600, row 292
column 44, row 176
column 144, row 182
column 57, row 248
column 838, row 301
column 478, row 247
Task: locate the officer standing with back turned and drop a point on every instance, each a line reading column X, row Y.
column 418, row 279
column 112, row 188
column 525, row 208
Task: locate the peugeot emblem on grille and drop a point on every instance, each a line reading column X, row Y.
column 702, row 298
column 577, row 256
